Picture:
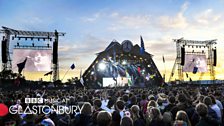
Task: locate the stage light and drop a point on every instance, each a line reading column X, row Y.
column 102, row 66
column 92, row 72
column 124, row 62
column 149, row 65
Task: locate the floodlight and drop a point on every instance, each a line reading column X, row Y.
column 102, row 66
column 124, row 62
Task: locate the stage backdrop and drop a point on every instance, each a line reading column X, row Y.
column 37, row 60
column 195, row 62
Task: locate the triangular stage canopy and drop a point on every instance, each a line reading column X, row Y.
column 122, row 65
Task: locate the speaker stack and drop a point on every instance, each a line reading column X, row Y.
column 182, row 55
column 215, row 57
column 55, row 52
column 4, row 56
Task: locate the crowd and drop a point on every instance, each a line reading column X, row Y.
column 162, row 106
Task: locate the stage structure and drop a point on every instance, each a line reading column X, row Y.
column 194, row 57
column 122, row 65
column 29, row 35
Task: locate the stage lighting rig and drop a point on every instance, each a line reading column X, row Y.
column 102, row 66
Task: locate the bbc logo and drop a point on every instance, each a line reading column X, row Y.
column 34, row 100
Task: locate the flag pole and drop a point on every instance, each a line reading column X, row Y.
column 50, row 77
column 65, row 74
column 164, row 64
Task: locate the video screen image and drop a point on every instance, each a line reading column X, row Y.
column 195, row 62
column 37, row 60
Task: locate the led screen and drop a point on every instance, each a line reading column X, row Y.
column 195, row 63
column 37, row 60
column 109, row 81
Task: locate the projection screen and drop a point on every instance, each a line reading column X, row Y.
column 193, row 61
column 37, row 60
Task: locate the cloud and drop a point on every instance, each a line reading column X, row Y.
column 207, row 17
column 92, row 18
column 128, row 21
column 179, row 21
column 32, row 20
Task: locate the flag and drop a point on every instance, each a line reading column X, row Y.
column 163, row 59
column 48, row 73
column 82, row 81
column 142, row 48
column 129, row 78
column 72, row 66
column 195, row 70
column 80, row 75
column 186, row 75
column 21, row 66
column 81, row 78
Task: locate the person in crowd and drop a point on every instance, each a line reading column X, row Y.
column 109, row 107
column 120, row 107
column 216, row 108
column 154, row 117
column 171, row 104
column 116, row 118
column 167, row 118
column 205, row 120
column 104, row 118
column 133, row 101
column 85, row 117
column 182, row 119
column 135, row 114
column 143, row 103
column 126, row 121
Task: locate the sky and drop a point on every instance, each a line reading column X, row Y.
column 91, row 25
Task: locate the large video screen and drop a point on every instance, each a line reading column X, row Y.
column 195, row 63
column 37, row 60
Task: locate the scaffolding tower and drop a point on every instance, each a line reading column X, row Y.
column 29, row 35
column 210, row 59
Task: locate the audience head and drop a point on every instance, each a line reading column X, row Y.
column 97, row 103
column 120, row 105
column 207, row 101
column 202, row 109
column 126, row 121
column 172, row 100
column 182, row 116
column 104, row 118
column 182, row 98
column 86, row 109
column 155, row 114
column 116, row 118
